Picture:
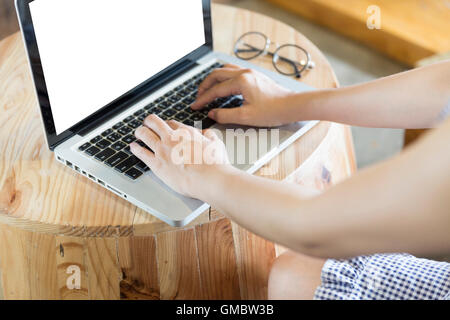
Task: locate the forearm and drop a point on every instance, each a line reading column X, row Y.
column 412, row 99
column 271, row 209
column 400, row 205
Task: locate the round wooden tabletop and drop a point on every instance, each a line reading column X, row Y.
column 38, row 194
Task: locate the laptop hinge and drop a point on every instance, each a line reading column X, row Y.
column 155, row 84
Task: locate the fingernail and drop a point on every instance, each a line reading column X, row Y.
column 212, row 114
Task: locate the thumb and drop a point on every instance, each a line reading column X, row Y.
column 228, row 116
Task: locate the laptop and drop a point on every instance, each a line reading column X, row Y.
column 101, row 67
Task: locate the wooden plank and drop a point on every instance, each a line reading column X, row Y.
column 411, row 30
column 217, row 260
column 14, row 259
column 144, row 223
column 1, row 285
column 70, row 251
column 254, row 260
column 103, row 268
column 178, row 265
column 42, row 268
column 137, row 260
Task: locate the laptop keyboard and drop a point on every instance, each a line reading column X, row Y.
column 112, row 147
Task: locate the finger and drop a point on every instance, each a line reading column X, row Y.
column 158, row 125
column 145, row 155
column 218, row 75
column 228, row 116
column 148, row 137
column 223, row 89
column 174, row 125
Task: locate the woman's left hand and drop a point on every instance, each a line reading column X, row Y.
column 185, row 158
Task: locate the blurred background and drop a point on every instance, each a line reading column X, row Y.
column 413, row 33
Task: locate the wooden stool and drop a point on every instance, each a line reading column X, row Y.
column 54, row 221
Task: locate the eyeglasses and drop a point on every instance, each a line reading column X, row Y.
column 288, row 59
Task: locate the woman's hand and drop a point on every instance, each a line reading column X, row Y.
column 185, row 158
column 265, row 105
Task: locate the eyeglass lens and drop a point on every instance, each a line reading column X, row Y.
column 251, row 45
column 290, row 60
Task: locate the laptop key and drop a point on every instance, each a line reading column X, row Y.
column 181, row 116
column 165, row 104
column 84, row 146
column 118, row 146
column 116, row 159
column 179, row 106
column 127, row 150
column 142, row 166
column 118, row 125
column 135, row 124
column 169, row 113
column 92, row 151
column 96, row 139
column 124, row 130
column 189, row 100
column 129, row 139
column 128, row 119
column 139, row 112
column 105, row 154
column 175, row 98
column 188, row 122
column 114, row 137
column 207, row 123
column 197, row 117
column 155, row 110
column 127, row 164
column 103, row 144
column 133, row 173
column 191, row 88
column 107, row 133
column 151, row 105
column 183, row 93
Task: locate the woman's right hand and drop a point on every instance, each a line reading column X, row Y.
column 266, row 103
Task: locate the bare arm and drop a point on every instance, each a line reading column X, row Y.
column 409, row 100
column 412, row 99
column 401, row 205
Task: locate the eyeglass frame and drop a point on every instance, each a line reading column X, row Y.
column 310, row 64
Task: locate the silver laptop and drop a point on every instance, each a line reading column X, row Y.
column 100, row 67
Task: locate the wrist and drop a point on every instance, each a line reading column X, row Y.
column 214, row 182
column 306, row 106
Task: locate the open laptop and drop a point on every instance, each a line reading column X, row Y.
column 100, row 67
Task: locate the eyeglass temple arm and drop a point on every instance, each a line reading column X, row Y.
column 253, row 49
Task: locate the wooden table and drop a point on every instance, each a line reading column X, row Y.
column 52, row 219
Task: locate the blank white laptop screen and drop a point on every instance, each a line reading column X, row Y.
column 94, row 51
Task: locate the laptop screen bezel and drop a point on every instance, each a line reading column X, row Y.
column 116, row 106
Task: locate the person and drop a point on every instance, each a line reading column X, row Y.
column 336, row 239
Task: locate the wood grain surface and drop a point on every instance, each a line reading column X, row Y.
column 52, row 218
